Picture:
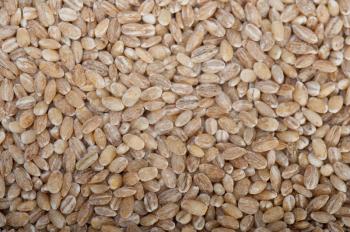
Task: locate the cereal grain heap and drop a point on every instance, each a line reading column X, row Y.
column 175, row 115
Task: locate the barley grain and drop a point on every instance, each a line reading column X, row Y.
column 174, row 115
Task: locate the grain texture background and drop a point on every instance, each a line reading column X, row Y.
column 174, row 115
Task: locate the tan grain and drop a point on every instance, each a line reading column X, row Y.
column 174, row 115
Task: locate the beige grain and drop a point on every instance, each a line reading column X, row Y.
column 176, row 115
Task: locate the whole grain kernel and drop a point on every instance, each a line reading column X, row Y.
column 262, row 71
column 133, row 141
column 247, row 75
column 194, row 207
column 147, row 173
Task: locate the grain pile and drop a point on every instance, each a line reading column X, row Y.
column 175, row 115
